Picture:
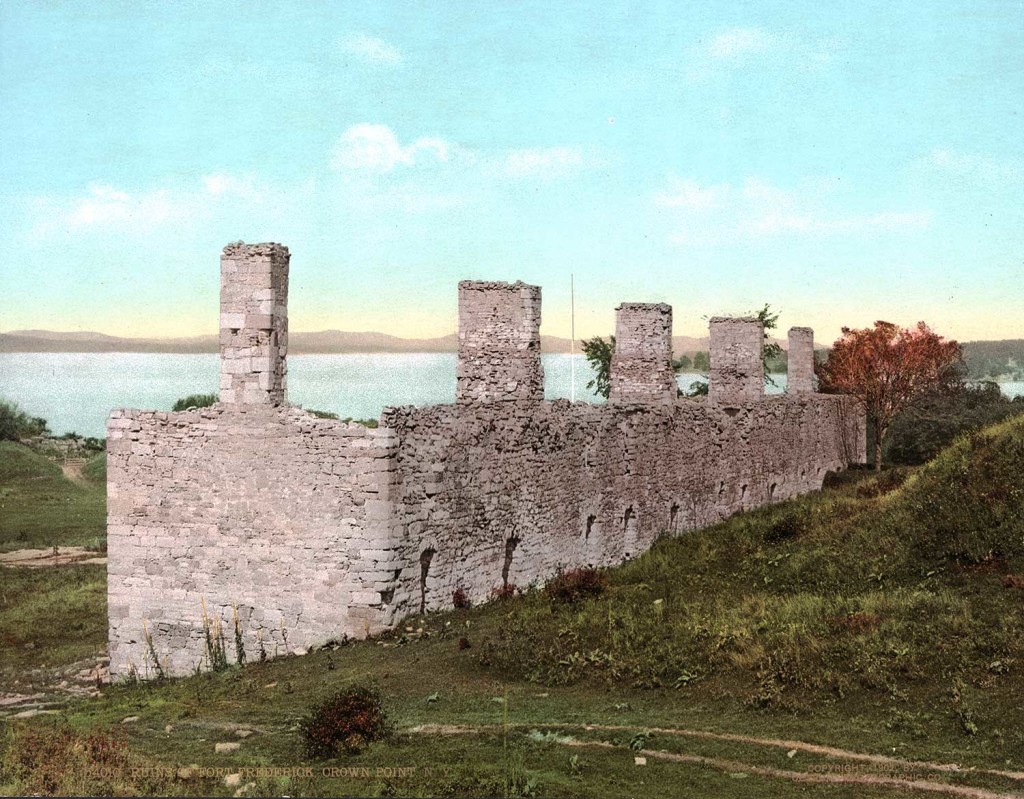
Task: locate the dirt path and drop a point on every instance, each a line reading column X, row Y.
column 55, row 556
column 875, row 780
column 72, row 469
column 851, row 778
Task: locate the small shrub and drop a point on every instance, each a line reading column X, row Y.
column 885, row 483
column 1013, row 581
column 857, row 622
column 505, row 592
column 195, row 401
column 571, row 586
column 59, row 761
column 460, row 600
column 368, row 423
column 347, row 721
column 789, row 526
column 464, row 644
column 323, row 414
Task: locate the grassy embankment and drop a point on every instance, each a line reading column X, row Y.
column 53, row 616
column 883, row 615
column 40, row 508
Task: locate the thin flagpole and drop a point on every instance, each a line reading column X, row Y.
column 572, row 334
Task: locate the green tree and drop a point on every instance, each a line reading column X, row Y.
column 771, row 352
column 702, row 361
column 195, row 401
column 15, row 424
column 889, row 368
column 682, row 363
column 918, row 434
column 599, row 353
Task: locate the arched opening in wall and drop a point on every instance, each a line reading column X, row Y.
column 743, row 494
column 771, row 492
column 591, row 544
column 629, row 530
column 510, row 548
column 673, row 519
column 425, row 560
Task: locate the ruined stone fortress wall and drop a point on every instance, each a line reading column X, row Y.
column 257, row 516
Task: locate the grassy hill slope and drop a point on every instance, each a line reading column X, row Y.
column 40, row 507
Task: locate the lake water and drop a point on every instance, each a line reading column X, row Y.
column 76, row 391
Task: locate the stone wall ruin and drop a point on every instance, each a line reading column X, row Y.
column 258, row 516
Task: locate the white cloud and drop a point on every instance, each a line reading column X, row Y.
column 222, row 184
column 103, row 206
column 106, row 205
column 758, row 210
column 371, row 50
column 690, row 194
column 976, row 167
column 739, row 41
column 375, row 148
column 757, row 48
column 542, row 162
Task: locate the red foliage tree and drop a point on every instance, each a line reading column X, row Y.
column 888, row 368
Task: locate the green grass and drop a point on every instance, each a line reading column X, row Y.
column 871, row 616
column 40, row 508
column 95, row 470
column 50, row 618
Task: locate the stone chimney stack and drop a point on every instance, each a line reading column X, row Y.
column 499, row 342
column 253, row 323
column 737, row 371
column 800, row 369
column 641, row 369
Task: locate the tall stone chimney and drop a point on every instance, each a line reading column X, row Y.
column 499, row 342
column 641, row 368
column 253, row 323
column 737, row 371
column 800, row 368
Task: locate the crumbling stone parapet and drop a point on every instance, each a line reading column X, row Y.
column 800, row 368
column 737, row 371
column 499, row 342
column 641, row 368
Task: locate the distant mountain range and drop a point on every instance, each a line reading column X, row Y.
column 321, row 342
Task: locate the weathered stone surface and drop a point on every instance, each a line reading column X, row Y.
column 641, row 370
column 295, row 530
column 253, row 323
column 737, row 371
column 800, row 362
column 499, row 342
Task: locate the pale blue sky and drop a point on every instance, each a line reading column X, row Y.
column 844, row 162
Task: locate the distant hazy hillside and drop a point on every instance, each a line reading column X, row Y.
column 323, row 341
column 995, row 359
column 984, row 358
column 86, row 341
